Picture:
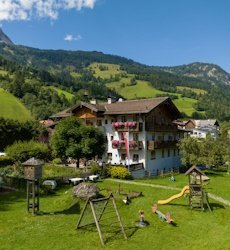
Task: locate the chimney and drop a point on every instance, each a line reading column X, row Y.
column 93, row 101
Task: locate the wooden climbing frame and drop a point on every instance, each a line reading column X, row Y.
column 98, row 211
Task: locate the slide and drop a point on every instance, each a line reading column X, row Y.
column 185, row 190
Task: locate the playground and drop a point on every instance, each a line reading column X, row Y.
column 55, row 225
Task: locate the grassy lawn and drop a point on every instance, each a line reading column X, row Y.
column 141, row 90
column 111, row 70
column 54, row 228
column 68, row 95
column 12, row 108
column 3, row 72
column 218, row 183
column 185, row 104
column 195, row 90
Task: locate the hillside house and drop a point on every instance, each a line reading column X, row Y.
column 200, row 128
column 140, row 134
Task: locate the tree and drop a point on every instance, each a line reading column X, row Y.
column 74, row 139
column 12, row 130
column 23, row 150
column 208, row 151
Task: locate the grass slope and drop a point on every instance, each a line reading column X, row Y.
column 142, row 89
column 109, row 70
column 55, row 228
column 12, row 108
column 68, row 95
column 195, row 90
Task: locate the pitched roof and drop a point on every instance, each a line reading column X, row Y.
column 136, row 106
column 206, row 123
column 33, row 162
column 94, row 107
column 63, row 113
column 143, row 106
column 68, row 112
column 194, row 168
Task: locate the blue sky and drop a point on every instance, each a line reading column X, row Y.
column 153, row 32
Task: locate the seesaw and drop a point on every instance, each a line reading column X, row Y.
column 166, row 218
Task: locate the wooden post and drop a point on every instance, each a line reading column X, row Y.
column 82, row 213
column 97, row 224
column 33, row 197
column 118, row 217
column 38, row 196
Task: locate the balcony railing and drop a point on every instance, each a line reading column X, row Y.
column 127, row 126
column 160, row 128
column 152, row 145
column 133, row 145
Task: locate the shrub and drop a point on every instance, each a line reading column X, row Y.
column 97, row 169
column 56, row 161
column 22, row 151
column 119, row 172
column 5, row 161
column 46, row 190
column 59, row 171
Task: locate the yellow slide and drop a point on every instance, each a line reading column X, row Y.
column 185, row 190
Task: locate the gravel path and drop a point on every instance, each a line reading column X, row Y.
column 212, row 196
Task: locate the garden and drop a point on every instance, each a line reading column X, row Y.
column 54, row 227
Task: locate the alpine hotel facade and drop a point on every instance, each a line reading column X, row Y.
column 140, row 134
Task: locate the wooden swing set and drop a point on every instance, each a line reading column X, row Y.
column 99, row 211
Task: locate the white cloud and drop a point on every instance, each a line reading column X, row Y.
column 71, row 38
column 26, row 9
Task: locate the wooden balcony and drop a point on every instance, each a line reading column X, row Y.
column 160, row 128
column 138, row 145
column 127, row 126
column 152, row 145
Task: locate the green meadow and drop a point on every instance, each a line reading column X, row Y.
column 55, row 226
column 12, row 108
column 142, row 89
column 68, row 95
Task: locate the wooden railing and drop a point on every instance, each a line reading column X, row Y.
column 163, row 173
column 138, row 145
column 152, row 145
column 160, row 128
column 127, row 126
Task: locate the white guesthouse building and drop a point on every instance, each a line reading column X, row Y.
column 140, row 134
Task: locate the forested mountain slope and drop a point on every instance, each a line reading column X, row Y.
column 41, row 77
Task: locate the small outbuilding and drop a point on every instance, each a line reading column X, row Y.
column 196, row 192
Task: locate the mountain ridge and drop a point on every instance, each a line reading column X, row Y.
column 205, row 71
column 4, row 38
column 29, row 73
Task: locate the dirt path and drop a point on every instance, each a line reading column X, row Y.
column 212, row 196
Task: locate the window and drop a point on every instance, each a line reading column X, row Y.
column 159, row 138
column 135, row 118
column 135, row 157
column 135, row 136
column 174, row 152
column 123, row 118
column 99, row 123
column 109, row 156
column 153, row 137
column 162, row 153
column 169, row 152
column 111, row 137
column 153, row 154
column 123, row 157
column 106, row 121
